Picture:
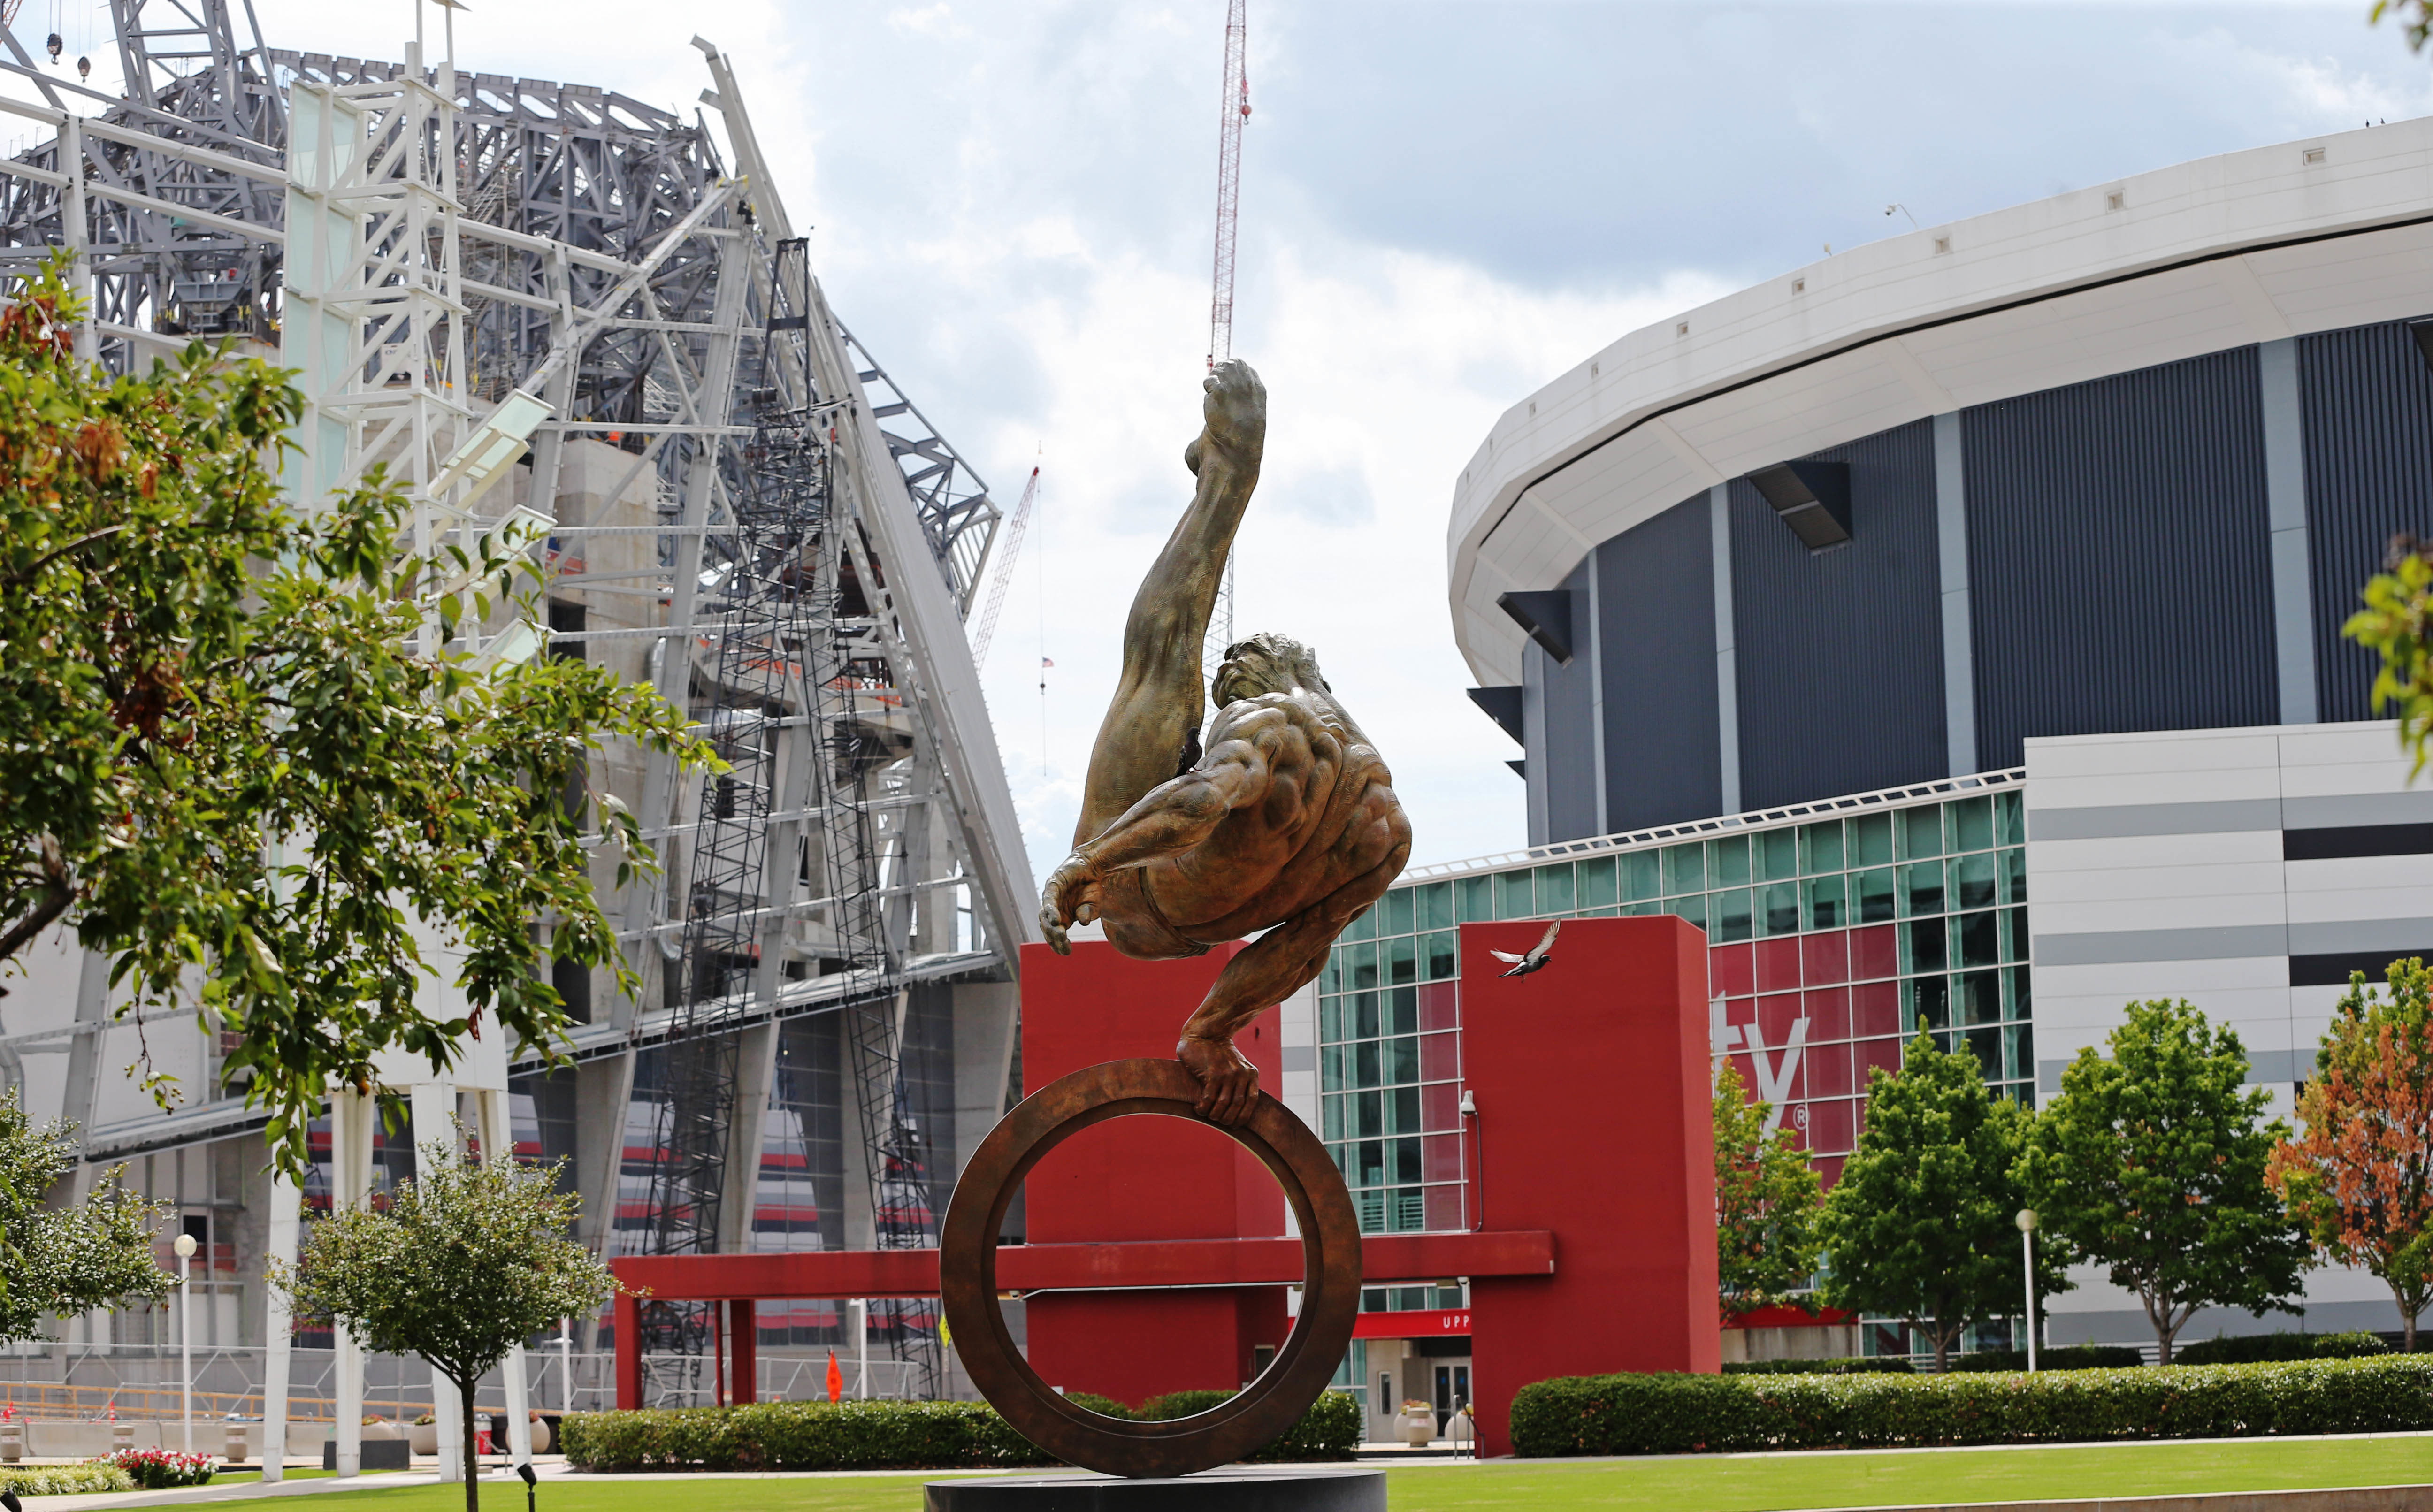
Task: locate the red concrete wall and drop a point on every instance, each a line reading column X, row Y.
column 1590, row 1077
column 1142, row 1178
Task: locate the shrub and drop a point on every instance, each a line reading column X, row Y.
column 65, row 1480
column 2249, row 1348
column 885, row 1435
column 2067, row 1357
column 161, row 1470
column 1092, row 1402
column 1690, row 1414
column 1847, row 1365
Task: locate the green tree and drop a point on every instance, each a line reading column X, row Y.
column 1767, row 1197
column 233, row 762
column 2359, row 1173
column 60, row 1261
column 2152, row 1164
column 1921, row 1225
column 468, row 1259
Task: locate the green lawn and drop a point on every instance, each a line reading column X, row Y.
column 1744, row 1484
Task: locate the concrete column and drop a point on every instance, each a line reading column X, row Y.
column 756, row 1070
column 1728, row 686
column 350, row 1171
column 498, row 1143
column 1959, row 654
column 279, row 1338
column 2284, row 506
column 984, row 1031
column 435, row 1132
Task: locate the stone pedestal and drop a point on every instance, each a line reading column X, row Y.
column 1234, row 1488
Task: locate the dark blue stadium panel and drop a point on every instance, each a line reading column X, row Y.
column 2119, row 556
column 1655, row 643
column 1569, row 761
column 1840, row 651
column 2367, row 401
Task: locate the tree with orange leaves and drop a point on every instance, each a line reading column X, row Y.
column 2360, row 1177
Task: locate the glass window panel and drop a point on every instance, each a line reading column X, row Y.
column 1779, row 908
column 1729, row 915
column 1727, row 863
column 2015, row 934
column 1373, row 1211
column 1921, row 889
column 1969, row 823
column 1330, row 1066
column 1972, row 880
column 2016, row 1001
column 1364, row 1015
column 1824, row 902
column 1367, row 1122
column 1369, row 1164
column 1975, row 940
column 1435, row 904
column 1632, row 910
column 1981, row 1001
column 1777, row 854
column 1874, row 890
column 1871, row 839
column 1554, row 889
column 1692, row 907
column 1512, row 898
column 1820, row 847
column 1402, row 1057
column 1921, row 946
column 1921, row 831
column 1439, row 952
column 2014, row 867
column 1685, row 869
column 1402, row 959
column 1439, row 1060
column 1926, row 1004
column 2010, row 822
column 1367, row 1061
column 2019, row 1044
column 1364, row 927
column 1403, row 1011
column 1334, row 1117
column 1598, row 887
column 1406, row 1161
column 1330, row 1019
column 1986, row 1045
column 1409, row 1210
column 1642, row 875
column 1364, row 966
column 1330, row 980
column 1474, row 899
column 1403, row 1110
column 1397, row 919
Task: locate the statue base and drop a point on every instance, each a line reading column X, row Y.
column 1233, row 1488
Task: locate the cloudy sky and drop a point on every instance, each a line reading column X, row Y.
column 1443, row 205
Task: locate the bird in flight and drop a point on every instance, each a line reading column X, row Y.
column 1540, row 953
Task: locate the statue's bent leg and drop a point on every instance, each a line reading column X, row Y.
column 1159, row 698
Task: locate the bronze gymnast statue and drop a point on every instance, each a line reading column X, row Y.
column 1288, row 823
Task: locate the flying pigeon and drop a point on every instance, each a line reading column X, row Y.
column 1540, row 953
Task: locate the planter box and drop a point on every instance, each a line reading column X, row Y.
column 379, row 1454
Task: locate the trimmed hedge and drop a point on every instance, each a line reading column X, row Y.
column 91, row 1476
column 1847, row 1365
column 1692, row 1414
column 2248, row 1349
column 2067, row 1357
column 850, row 1435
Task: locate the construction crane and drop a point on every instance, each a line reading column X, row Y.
column 1233, row 107
column 987, row 630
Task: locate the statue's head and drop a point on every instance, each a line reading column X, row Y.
column 1266, row 664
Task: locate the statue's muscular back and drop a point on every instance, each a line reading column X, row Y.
column 1327, row 819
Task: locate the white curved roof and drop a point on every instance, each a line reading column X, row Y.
column 2312, row 235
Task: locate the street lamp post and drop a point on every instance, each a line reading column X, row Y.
column 183, row 1246
column 2026, row 1221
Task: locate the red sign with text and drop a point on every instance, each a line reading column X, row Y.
column 1421, row 1325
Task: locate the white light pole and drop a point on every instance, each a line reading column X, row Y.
column 2026, row 1221
column 861, row 1347
column 183, row 1246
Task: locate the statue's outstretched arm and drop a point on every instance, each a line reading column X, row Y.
column 1172, row 818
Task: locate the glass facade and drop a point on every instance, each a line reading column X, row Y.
column 1830, row 942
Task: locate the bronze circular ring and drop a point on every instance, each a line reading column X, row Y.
column 1268, row 1407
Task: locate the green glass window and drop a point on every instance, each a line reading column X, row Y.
column 1403, row 1058
column 1981, row 1002
column 1921, row 831
column 2015, row 934
column 1597, row 888
column 1685, row 869
column 1968, row 825
column 1642, row 875
column 1922, row 946
column 1364, row 927
column 1398, row 920
column 1820, row 848
column 2013, row 868
column 1330, row 1019
column 1779, row 908
column 1330, row 977
column 1874, row 892
column 1554, row 889
column 1822, row 902
column 1777, row 854
column 2021, row 1052
column 1364, row 1015
column 1926, row 1004
column 2010, row 819
column 1986, row 1044
column 1692, row 907
column 1474, row 899
column 1403, row 1011
column 1727, row 863
column 1971, row 880
column 1401, row 961
column 1871, row 839
column 2016, row 1001
column 1366, row 1065
column 1729, row 913
column 1402, row 1111
column 1441, row 963
column 1436, row 906
column 1921, row 889
column 1364, row 967
column 1513, row 897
